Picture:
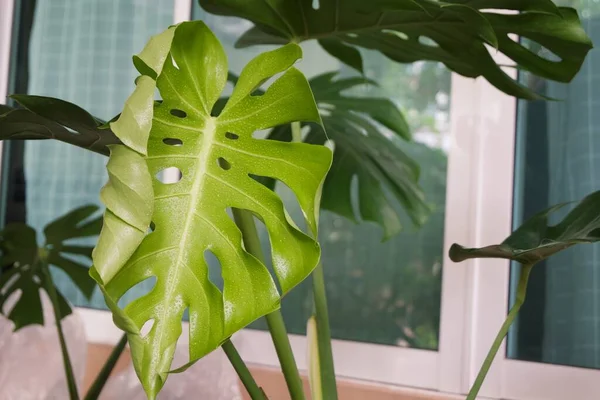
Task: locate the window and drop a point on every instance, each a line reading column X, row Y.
column 558, row 149
column 402, row 313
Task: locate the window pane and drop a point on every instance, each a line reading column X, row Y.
column 387, row 293
column 81, row 52
column 558, row 160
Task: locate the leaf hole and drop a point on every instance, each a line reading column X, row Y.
column 178, row 113
column 537, row 49
column 152, row 227
column 138, row 290
column 232, row 136
column 223, row 163
column 316, row 4
column 174, row 63
column 11, row 301
column 426, row 41
column 169, row 175
column 146, row 328
column 263, row 86
column 214, row 269
column 173, row 142
column 399, row 34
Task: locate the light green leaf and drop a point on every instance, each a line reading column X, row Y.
column 537, row 240
column 151, row 59
column 454, row 32
column 21, row 256
column 128, row 197
column 134, row 123
column 218, row 159
column 362, row 150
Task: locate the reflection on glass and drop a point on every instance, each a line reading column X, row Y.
column 386, row 293
column 558, row 160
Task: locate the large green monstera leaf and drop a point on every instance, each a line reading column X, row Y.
column 219, row 162
column 458, row 33
column 363, row 150
column 24, row 262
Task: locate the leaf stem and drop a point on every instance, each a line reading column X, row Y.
column 328, row 382
column 51, row 290
column 255, row 392
column 520, row 299
column 245, row 221
column 328, row 387
column 94, row 391
column 296, row 132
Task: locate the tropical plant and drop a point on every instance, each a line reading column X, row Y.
column 26, row 271
column 155, row 230
column 531, row 243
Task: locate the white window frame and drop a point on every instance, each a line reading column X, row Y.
column 6, row 24
column 479, row 204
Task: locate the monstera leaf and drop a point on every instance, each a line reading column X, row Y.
column 531, row 243
column 536, row 240
column 23, row 263
column 363, row 150
column 454, row 32
column 50, row 118
column 219, row 159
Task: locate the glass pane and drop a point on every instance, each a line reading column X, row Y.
column 558, row 160
column 386, row 293
column 80, row 52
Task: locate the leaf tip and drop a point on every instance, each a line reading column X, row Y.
column 457, row 253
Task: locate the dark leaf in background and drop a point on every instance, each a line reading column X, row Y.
column 50, row 118
column 22, row 274
column 536, row 240
column 462, row 34
column 362, row 150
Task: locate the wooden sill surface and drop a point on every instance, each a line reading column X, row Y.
column 273, row 383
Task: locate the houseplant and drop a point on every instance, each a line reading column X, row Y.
column 137, row 144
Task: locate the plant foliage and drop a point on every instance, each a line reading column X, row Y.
column 22, row 263
column 531, row 243
column 50, row 118
column 537, row 240
column 458, row 33
column 363, row 151
column 218, row 159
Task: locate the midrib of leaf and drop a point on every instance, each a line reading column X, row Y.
column 378, row 27
column 206, row 145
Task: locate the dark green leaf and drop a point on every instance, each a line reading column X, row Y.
column 78, row 273
column 75, row 224
column 454, row 32
column 49, row 118
column 362, row 150
column 536, row 240
column 22, row 257
column 347, row 54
